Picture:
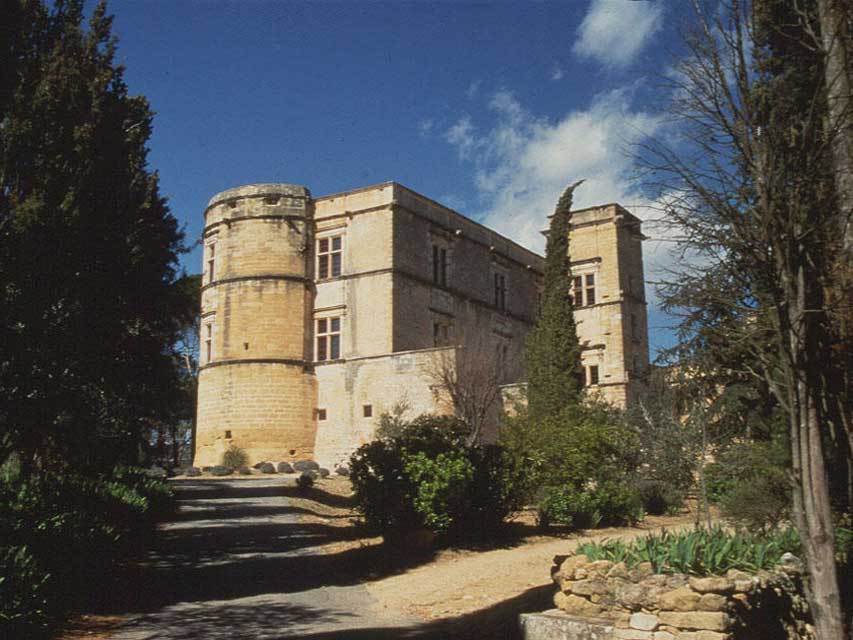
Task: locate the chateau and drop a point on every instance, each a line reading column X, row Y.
column 320, row 314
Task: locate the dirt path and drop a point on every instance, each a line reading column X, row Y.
column 254, row 558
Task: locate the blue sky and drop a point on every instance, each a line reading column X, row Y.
column 488, row 107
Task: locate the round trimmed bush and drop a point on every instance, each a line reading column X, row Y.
column 306, row 465
column 342, row 471
column 305, row 480
column 245, row 471
column 220, row 470
column 156, row 472
column 193, row 472
column 257, row 465
column 284, row 467
column 324, row 473
column 267, row 467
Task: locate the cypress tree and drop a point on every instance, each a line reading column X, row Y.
column 89, row 309
column 552, row 353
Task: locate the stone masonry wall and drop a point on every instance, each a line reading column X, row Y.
column 635, row 604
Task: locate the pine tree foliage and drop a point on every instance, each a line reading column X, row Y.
column 88, row 247
column 552, row 352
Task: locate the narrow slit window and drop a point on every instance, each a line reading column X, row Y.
column 500, row 291
column 439, row 265
column 208, row 342
column 329, row 257
column 211, row 262
column 321, row 414
column 328, row 339
column 367, row 410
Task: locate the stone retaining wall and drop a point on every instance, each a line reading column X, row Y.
column 642, row 605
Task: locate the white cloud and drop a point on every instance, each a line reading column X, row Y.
column 614, row 31
column 557, row 73
column 425, row 127
column 523, row 162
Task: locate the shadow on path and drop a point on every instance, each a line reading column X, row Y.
column 236, row 562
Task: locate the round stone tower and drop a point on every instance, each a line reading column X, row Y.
column 256, row 387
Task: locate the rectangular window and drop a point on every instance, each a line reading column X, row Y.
column 590, row 289
column 208, row 342
column 367, row 410
column 439, row 265
column 227, row 434
column 577, row 291
column 593, row 375
column 211, row 259
column 328, row 339
column 321, row 414
column 440, row 333
column 500, row 291
column 329, row 256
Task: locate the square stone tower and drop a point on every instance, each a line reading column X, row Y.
column 605, row 246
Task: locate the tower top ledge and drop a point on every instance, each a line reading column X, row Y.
column 259, row 191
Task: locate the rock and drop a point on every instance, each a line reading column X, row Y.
column 790, row 564
column 632, row 634
column 644, row 621
column 590, row 586
column 681, row 599
column 576, row 605
column 156, row 472
column 713, row 584
column 664, row 635
column 284, row 467
column 342, row 471
column 601, row 567
column 571, row 564
column 267, row 467
column 244, row 471
column 703, row 635
column 193, row 472
column 640, row 572
column 220, row 470
column 305, row 465
column 631, row 596
column 618, row 570
column 712, row 602
column 715, row 621
column 324, row 473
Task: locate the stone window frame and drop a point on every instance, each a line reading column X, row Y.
column 210, row 259
column 208, row 333
column 326, row 258
column 442, row 329
column 589, row 282
column 325, row 334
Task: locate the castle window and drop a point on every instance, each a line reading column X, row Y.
column 328, row 339
column 321, row 415
column 590, row 288
column 227, row 434
column 441, row 331
column 367, row 410
column 592, row 375
column 500, row 291
column 439, row 265
column 208, row 342
column 329, row 255
column 577, row 291
column 211, row 259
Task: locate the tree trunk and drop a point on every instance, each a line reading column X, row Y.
column 834, row 18
column 812, row 508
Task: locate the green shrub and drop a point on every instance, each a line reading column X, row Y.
column 659, row 497
column 61, row 533
column 699, row 552
column 423, row 475
column 609, row 504
column 26, row 608
column 235, row 457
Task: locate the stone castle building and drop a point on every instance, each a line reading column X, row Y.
column 320, row 314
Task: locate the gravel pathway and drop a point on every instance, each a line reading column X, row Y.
column 237, row 563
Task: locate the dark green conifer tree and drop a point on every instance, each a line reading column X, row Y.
column 89, row 309
column 552, row 354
